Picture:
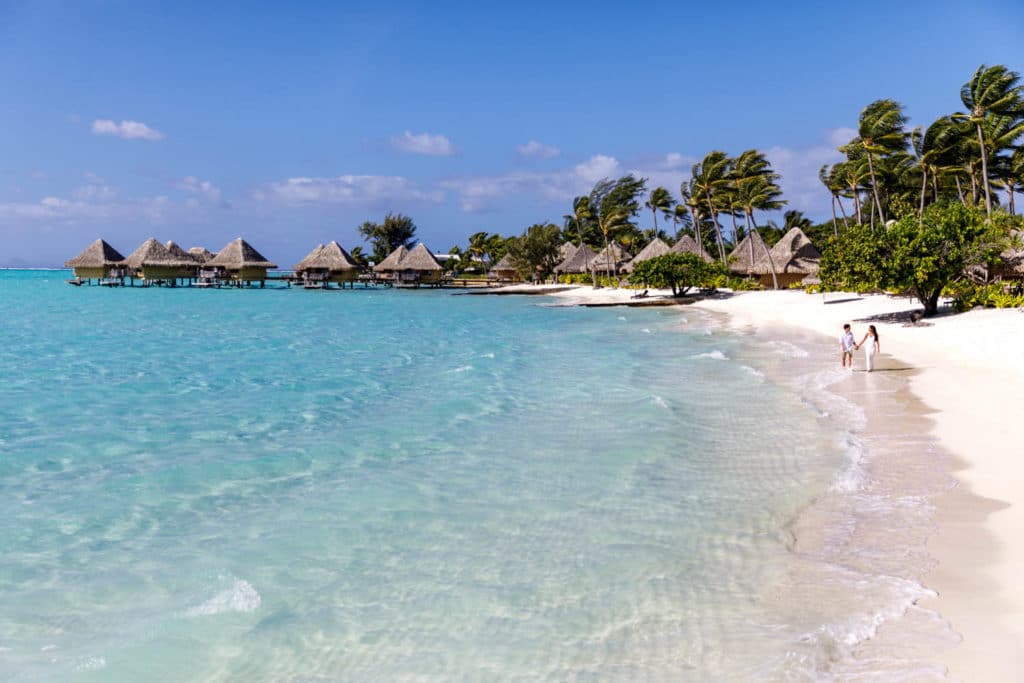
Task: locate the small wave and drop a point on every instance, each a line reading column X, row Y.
column 622, row 317
column 464, row 368
column 751, row 371
column 789, row 350
column 659, row 401
column 487, row 355
column 645, row 330
column 91, row 664
column 714, row 355
column 241, row 597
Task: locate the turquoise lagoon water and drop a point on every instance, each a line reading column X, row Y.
column 286, row 485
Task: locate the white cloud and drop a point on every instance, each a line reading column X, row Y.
column 202, row 189
column 799, row 169
column 95, row 193
column 537, row 150
column 129, row 130
column 346, row 189
column 478, row 193
column 423, row 143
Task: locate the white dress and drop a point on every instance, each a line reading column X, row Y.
column 870, row 353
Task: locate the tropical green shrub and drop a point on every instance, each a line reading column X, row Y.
column 678, row 272
column 968, row 295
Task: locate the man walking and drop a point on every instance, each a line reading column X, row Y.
column 847, row 344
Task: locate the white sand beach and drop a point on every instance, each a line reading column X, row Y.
column 969, row 369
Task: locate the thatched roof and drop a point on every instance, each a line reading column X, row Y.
column 504, row 263
column 1013, row 257
column 688, row 245
column 330, row 257
column 96, row 255
column 392, row 260
column 579, row 262
column 740, row 260
column 201, row 254
column 613, row 256
column 240, row 254
column 420, row 258
column 793, row 254
column 179, row 253
column 656, row 248
column 152, row 253
column 566, row 251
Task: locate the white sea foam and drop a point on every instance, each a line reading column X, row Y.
column 713, row 355
column 788, row 349
column 659, row 401
column 241, row 597
column 91, row 664
column 487, row 355
column 463, row 368
column 752, row 371
column 645, row 330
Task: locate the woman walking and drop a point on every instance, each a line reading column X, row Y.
column 871, row 338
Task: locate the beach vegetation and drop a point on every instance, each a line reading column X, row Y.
column 396, row 230
column 922, row 256
column 534, row 254
column 968, row 295
column 678, row 272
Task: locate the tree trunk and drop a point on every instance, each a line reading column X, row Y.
column 935, row 187
column 735, row 228
column 959, row 190
column 974, row 187
column 924, row 187
column 984, row 171
column 930, row 301
column 874, row 189
column 696, row 232
column 842, row 210
column 654, row 215
column 835, row 221
column 767, row 253
column 718, row 228
column 1011, row 190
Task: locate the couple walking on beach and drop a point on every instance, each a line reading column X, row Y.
column 848, row 344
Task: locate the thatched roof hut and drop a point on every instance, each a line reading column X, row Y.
column 655, row 248
column 794, row 258
column 391, row 261
column 747, row 253
column 98, row 259
column 580, row 262
column 504, row 270
column 330, row 262
column 1012, row 265
column 566, row 251
column 612, row 257
column 688, row 245
column 416, row 265
column 179, row 253
column 153, row 261
column 241, row 261
column 201, row 254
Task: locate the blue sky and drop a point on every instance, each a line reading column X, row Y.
column 291, row 125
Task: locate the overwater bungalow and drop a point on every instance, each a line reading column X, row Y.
column 794, row 258
column 579, row 263
column 239, row 263
column 177, row 252
column 326, row 264
column 153, row 263
column 657, row 247
column 99, row 262
column 504, row 271
column 747, row 253
column 416, row 266
column 201, row 254
column 687, row 245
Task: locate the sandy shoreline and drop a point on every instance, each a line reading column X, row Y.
column 969, row 369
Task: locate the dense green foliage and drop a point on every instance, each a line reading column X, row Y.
column 397, row 230
column 922, row 256
column 535, row 252
column 678, row 272
column 967, row 295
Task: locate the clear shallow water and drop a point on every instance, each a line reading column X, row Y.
column 376, row 485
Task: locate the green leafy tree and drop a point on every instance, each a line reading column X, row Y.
column 678, row 272
column 922, row 255
column 829, row 177
column 711, row 178
column 992, row 90
column 535, row 253
column 359, row 257
column 397, row 230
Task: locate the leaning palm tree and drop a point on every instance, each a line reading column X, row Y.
column 582, row 213
column 611, row 222
column 680, row 214
column 710, row 177
column 933, row 149
column 1014, row 178
column 991, row 90
column 880, row 132
column 829, row 177
column 660, row 200
column 756, row 186
column 692, row 201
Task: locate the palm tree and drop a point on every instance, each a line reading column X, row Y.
column 680, row 214
column 660, row 200
column 757, row 188
column 991, row 90
column 582, row 213
column 827, row 176
column 477, row 247
column 1014, row 176
column 795, row 218
column 711, row 176
column 933, row 150
column 880, row 131
column 611, row 222
column 691, row 199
